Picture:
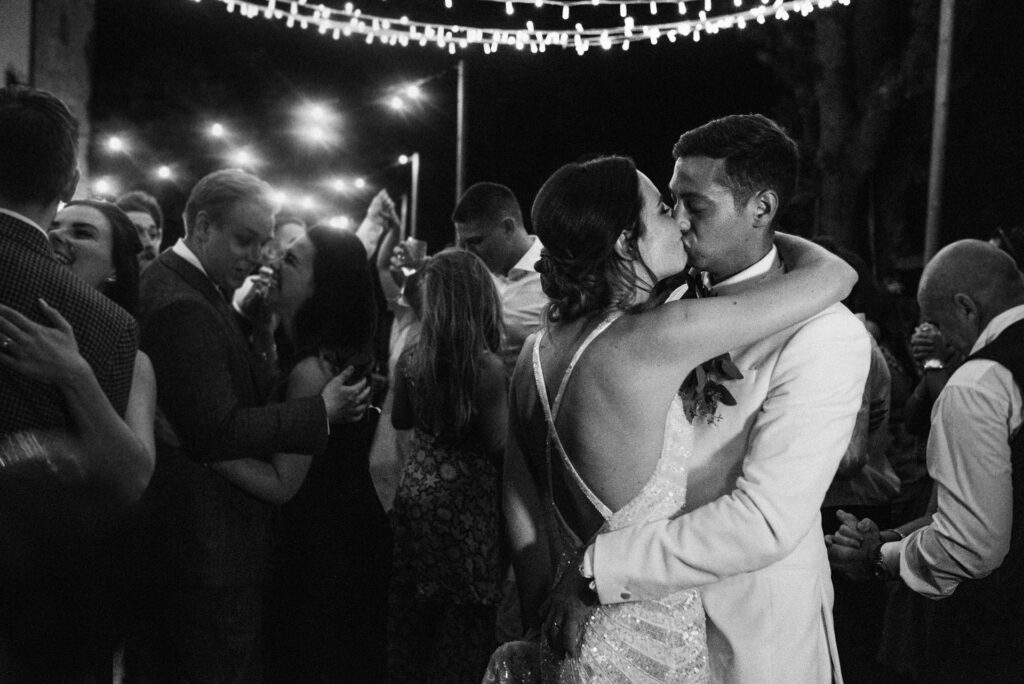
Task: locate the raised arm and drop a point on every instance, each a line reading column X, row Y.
column 690, row 331
column 276, row 481
column 119, row 451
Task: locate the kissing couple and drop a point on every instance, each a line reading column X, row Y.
column 649, row 548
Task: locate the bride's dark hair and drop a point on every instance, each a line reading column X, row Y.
column 579, row 215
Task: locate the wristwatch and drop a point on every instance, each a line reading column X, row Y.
column 933, row 364
column 879, row 570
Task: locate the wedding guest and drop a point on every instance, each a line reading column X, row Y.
column 145, row 213
column 328, row 593
column 100, row 244
column 450, row 389
column 42, row 635
column 390, row 446
column 489, row 223
column 206, row 540
column 971, row 553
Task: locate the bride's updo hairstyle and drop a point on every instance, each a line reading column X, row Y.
column 579, row 215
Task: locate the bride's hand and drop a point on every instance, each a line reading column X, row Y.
column 44, row 353
column 569, row 606
column 831, row 270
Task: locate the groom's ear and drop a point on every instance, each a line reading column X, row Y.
column 766, row 205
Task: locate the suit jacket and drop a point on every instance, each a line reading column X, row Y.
column 107, row 336
column 752, row 539
column 212, row 397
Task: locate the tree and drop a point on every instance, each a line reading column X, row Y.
column 861, row 80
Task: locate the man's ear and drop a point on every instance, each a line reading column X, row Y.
column 508, row 225
column 966, row 307
column 766, row 205
column 201, row 227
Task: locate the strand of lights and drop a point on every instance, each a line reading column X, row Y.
column 351, row 21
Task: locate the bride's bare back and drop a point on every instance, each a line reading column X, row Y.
column 612, row 415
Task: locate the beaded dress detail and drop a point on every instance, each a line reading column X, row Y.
column 641, row 641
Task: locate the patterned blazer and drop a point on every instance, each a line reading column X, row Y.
column 213, row 396
column 107, row 335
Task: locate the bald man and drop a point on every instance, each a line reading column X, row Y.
column 971, row 554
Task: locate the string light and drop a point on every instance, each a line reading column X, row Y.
column 351, row 21
column 116, row 144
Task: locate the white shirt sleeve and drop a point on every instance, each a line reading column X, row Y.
column 969, row 460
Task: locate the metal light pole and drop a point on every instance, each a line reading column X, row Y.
column 936, row 170
column 414, row 160
column 460, row 133
column 415, row 200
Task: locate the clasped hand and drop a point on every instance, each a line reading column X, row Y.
column 851, row 548
column 569, row 606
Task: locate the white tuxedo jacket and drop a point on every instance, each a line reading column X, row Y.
column 752, row 537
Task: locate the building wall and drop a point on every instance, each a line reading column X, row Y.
column 48, row 44
column 15, row 40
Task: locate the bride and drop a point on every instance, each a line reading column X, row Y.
column 598, row 436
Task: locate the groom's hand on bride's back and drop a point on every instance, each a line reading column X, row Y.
column 569, row 606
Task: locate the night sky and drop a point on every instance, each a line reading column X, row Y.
column 165, row 69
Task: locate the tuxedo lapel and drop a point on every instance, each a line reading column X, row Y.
column 198, row 281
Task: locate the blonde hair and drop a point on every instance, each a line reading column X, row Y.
column 461, row 320
column 216, row 193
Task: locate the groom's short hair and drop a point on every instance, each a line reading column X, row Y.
column 758, row 154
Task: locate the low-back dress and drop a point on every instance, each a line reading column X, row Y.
column 642, row 641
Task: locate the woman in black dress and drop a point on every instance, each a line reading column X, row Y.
column 327, row 600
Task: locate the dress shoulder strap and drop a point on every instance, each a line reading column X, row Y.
column 551, row 409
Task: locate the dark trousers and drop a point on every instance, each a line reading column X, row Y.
column 859, row 608
column 196, row 634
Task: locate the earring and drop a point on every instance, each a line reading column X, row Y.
column 112, row 278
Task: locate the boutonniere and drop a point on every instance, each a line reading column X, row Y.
column 702, row 391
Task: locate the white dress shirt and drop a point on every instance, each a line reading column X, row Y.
column 182, row 250
column 973, row 422
column 522, row 302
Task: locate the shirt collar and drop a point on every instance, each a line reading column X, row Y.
column 997, row 325
column 755, row 270
column 528, row 260
column 183, row 250
column 22, row 217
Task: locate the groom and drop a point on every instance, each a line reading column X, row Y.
column 752, row 537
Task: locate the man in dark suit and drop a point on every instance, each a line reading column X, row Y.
column 45, row 473
column 204, row 622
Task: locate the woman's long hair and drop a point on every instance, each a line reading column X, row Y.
column 340, row 316
column 125, row 247
column 579, row 215
column 461, row 319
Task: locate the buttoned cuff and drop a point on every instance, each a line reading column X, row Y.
column 891, row 557
column 610, row 586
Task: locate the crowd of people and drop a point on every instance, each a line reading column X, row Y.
column 655, row 440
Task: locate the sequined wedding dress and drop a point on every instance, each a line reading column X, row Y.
column 643, row 641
